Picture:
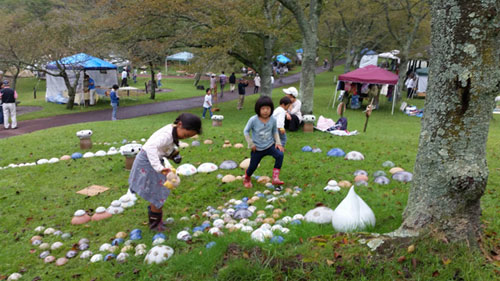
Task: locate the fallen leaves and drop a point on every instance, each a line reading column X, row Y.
column 446, row 261
column 401, row 259
column 411, row 249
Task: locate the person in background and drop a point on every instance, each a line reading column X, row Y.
column 294, row 115
column 272, row 80
column 124, row 78
column 148, row 173
column 280, row 115
column 134, row 75
column 264, row 140
column 91, row 88
column 256, row 80
column 241, row 92
column 222, row 80
column 158, row 77
column 213, row 86
column 1, row 109
column 207, row 103
column 232, row 82
column 8, row 97
column 115, row 101
column 325, row 63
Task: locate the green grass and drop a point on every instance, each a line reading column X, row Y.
column 45, row 195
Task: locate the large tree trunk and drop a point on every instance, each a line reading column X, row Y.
column 71, row 87
column 348, row 56
column 15, row 76
column 451, row 172
column 308, row 73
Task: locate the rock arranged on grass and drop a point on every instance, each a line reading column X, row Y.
column 379, row 173
column 186, row 170
column 315, row 150
column 159, row 254
column 195, row 143
column 228, row 165
column 65, row 157
column 88, row 155
column 208, row 142
column 84, row 134
column 227, row 144
column 76, row 155
column 335, row 152
column 100, row 214
column 228, row 178
column 402, row 176
column 238, row 145
column 360, row 172
column 345, row 184
column 307, row 148
column 42, row 161
column 381, row 180
column 388, row 164
column 53, row 160
column 207, row 168
column 130, row 150
column 100, row 153
column 396, row 170
column 361, row 178
column 352, row 214
column 80, row 217
column 354, row 155
column 183, row 144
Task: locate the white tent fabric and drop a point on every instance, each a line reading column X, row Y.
column 57, row 91
column 422, row 84
column 368, row 60
column 388, row 55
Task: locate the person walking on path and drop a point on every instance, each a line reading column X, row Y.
column 1, row 108
column 213, row 86
column 158, row 77
column 207, row 103
column 8, row 97
column 256, row 80
column 115, row 101
column 148, row 173
column 241, row 92
column 124, row 78
column 232, row 82
column 222, row 80
column 264, row 140
column 91, row 89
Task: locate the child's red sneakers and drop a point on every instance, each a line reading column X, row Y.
column 247, row 182
column 276, row 179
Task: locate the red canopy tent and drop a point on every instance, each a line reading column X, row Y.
column 369, row 74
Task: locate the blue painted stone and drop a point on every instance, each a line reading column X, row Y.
column 198, row 228
column 241, row 206
column 379, row 174
column 296, row 222
column 298, row 189
column 124, row 141
column 261, row 195
column 205, row 225
column 109, row 257
column 135, row 236
column 244, row 199
column 271, row 186
column 210, row 244
column 382, row 180
column 335, row 152
column 195, row 143
column 76, row 155
column 137, row 230
column 159, row 235
column 256, row 177
column 117, row 241
column 277, row 239
column 307, row 148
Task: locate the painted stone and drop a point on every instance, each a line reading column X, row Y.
column 345, row 184
column 403, row 176
column 335, row 152
column 207, row 168
column 100, row 214
column 354, row 155
column 319, row 215
column 388, row 164
column 361, row 178
column 379, row 173
column 80, row 217
column 44, row 254
column 71, row 254
column 307, row 148
column 61, row 261
column 228, row 165
column 396, row 170
column 195, row 143
column 76, row 155
column 238, row 145
column 186, row 170
column 159, row 254
column 381, row 180
column 86, row 254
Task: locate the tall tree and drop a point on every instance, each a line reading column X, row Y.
column 451, row 172
column 307, row 17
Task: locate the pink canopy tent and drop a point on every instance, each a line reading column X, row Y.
column 369, row 74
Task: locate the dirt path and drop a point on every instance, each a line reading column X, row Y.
column 29, row 126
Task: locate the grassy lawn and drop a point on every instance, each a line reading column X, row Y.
column 45, row 195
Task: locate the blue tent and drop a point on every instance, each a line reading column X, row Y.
column 299, row 51
column 368, row 52
column 182, row 56
column 82, row 61
column 283, row 59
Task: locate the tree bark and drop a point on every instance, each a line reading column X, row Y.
column 266, row 69
column 309, row 29
column 153, row 81
column 451, row 172
column 71, row 88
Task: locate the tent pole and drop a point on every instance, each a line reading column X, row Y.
column 335, row 98
column 394, row 96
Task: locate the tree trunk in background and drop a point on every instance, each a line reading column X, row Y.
column 15, row 76
column 451, row 172
column 153, row 82
column 71, row 88
column 266, row 69
column 348, row 56
column 309, row 29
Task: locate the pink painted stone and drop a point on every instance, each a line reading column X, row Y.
column 49, row 259
column 65, row 157
column 61, row 261
column 101, row 214
column 80, row 220
column 360, row 178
